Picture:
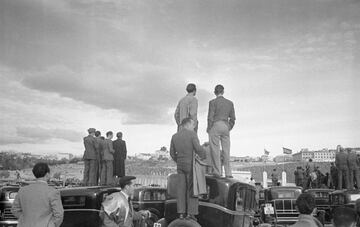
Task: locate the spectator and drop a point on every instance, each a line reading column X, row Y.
column 344, row 217
column 306, row 204
column 357, row 210
column 38, row 205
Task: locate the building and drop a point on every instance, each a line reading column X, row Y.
column 324, row 155
column 283, row 158
column 303, row 155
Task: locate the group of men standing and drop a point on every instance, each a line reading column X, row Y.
column 346, row 172
column 103, row 158
column 185, row 146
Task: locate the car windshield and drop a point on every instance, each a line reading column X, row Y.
column 320, row 195
column 285, row 194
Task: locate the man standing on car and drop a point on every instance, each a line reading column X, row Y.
column 107, row 171
column 119, row 155
column 187, row 107
column 38, row 205
column 90, row 159
column 342, row 167
column 354, row 169
column 117, row 209
column 183, row 145
column 221, row 119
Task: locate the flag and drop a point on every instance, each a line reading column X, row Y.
column 287, row 151
column 266, row 152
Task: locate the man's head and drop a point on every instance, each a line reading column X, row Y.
column 91, row 131
column 188, row 123
column 41, row 170
column 219, row 90
column 305, row 203
column 191, row 88
column 339, row 148
column 109, row 135
column 126, row 184
column 344, row 217
column 119, row 135
column 97, row 133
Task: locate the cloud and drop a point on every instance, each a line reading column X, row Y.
column 36, row 134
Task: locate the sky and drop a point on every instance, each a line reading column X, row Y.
column 290, row 67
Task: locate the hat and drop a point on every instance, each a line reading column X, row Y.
column 91, row 130
column 125, row 180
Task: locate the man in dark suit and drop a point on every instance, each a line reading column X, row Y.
column 183, row 145
column 342, row 167
column 221, row 119
column 90, row 159
column 354, row 169
column 99, row 142
column 119, row 155
column 38, row 205
column 106, row 177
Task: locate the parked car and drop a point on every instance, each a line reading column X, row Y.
column 228, row 202
column 322, row 202
column 150, row 198
column 82, row 205
column 7, row 196
column 279, row 207
column 343, row 198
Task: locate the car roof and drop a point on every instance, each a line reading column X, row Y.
column 90, row 190
column 285, row 187
column 319, row 190
column 346, row 191
column 229, row 181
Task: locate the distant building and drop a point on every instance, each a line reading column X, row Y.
column 324, row 155
column 303, row 155
column 144, row 156
column 283, row 158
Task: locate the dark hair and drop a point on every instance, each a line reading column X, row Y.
column 123, row 184
column 97, row 133
column 219, row 89
column 344, row 217
column 40, row 169
column 109, row 133
column 186, row 121
column 190, row 88
column 306, row 203
column 119, row 134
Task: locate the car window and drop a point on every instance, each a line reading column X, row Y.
column 320, row 195
column 12, row 195
column 73, row 201
column 240, row 199
column 285, row 194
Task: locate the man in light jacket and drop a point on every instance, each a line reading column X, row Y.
column 305, row 203
column 187, row 107
column 107, row 171
column 38, row 205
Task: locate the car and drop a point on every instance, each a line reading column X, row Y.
column 82, row 205
column 150, row 198
column 228, row 202
column 322, row 202
column 7, row 196
column 279, row 207
column 344, row 197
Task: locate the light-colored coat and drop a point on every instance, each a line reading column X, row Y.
column 307, row 221
column 38, row 205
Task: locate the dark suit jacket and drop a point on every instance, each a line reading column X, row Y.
column 183, row 145
column 108, row 150
column 221, row 109
column 38, row 205
column 90, row 145
column 341, row 160
column 120, row 149
column 352, row 160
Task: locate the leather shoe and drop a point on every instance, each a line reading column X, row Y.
column 191, row 217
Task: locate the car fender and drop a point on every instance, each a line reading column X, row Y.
column 184, row 223
column 161, row 223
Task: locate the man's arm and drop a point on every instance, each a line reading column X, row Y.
column 177, row 115
column 16, row 206
column 211, row 114
column 56, row 208
column 232, row 116
column 125, row 151
column 111, row 147
column 173, row 153
column 198, row 149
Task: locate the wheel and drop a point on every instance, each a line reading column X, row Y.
column 184, row 223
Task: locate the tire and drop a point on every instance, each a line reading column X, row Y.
column 184, row 223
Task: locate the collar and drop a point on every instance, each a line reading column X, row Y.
column 220, row 96
column 306, row 216
column 42, row 181
column 126, row 195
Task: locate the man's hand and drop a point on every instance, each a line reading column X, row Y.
column 145, row 213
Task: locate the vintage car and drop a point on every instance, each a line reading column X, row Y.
column 228, row 202
column 7, row 196
column 82, row 205
column 322, row 202
column 345, row 197
column 150, row 198
column 279, row 207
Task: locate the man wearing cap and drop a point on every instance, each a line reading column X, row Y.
column 221, row 119
column 119, row 155
column 187, row 107
column 183, row 145
column 117, row 209
column 90, row 159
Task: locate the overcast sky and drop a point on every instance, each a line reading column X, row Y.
column 291, row 67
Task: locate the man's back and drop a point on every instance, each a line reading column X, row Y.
column 90, row 145
column 187, row 107
column 108, row 150
column 38, row 205
column 120, row 148
column 341, row 160
column 221, row 109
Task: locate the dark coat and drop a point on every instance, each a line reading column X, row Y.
column 352, row 161
column 90, row 145
column 119, row 157
column 341, row 160
column 221, row 109
column 183, row 145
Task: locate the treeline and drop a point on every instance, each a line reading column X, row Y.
column 17, row 161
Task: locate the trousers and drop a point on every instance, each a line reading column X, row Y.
column 220, row 134
column 354, row 173
column 90, row 172
column 186, row 202
column 343, row 172
column 106, row 177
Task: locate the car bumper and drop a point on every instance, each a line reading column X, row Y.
column 8, row 223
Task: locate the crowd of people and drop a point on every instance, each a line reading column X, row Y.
column 344, row 173
column 104, row 159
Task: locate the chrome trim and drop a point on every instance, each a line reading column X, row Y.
column 92, row 210
column 142, row 202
